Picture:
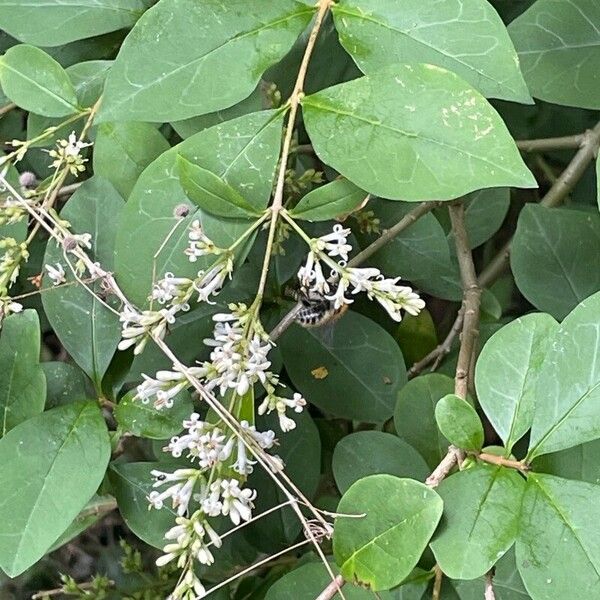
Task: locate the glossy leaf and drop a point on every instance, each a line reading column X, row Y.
column 382, row 548
column 559, row 47
column 61, row 454
column 507, row 368
column 480, row 521
column 551, row 255
column 459, row 423
column 65, row 383
column 567, row 388
column 420, row 253
column 339, row 197
column 413, row 132
column 88, row 330
column 57, row 22
column 132, row 482
column 580, row 462
column 148, row 218
column 355, row 375
column 557, row 549
column 123, row 150
column 36, row 82
column 144, row 420
column 163, row 67
column 372, row 452
column 468, row 38
column 211, row 193
column 22, row 380
column 414, row 417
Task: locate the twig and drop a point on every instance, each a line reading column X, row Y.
column 489, row 586
column 61, row 590
column 437, row 583
column 7, row 108
column 103, row 507
column 447, row 463
column 406, row 221
column 332, row 589
column 557, row 143
column 505, row 462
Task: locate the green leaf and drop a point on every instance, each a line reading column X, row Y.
column 372, row 452
column 132, row 483
column 598, row 178
column 88, row 330
column 211, row 193
column 337, row 198
column 467, row 38
column 123, row 150
column 581, row 462
column 413, row 132
column 36, row 82
column 381, row 549
column 557, row 549
column 414, row 417
column 567, row 389
column 52, row 464
column 420, row 253
column 184, row 59
column 22, row 381
column 459, row 423
column 480, row 521
column 57, row 22
column 551, row 254
column 148, row 218
column 65, row 384
column 507, row 582
column 146, row 421
column 506, row 372
column 356, row 375
column 300, row 450
column 559, row 47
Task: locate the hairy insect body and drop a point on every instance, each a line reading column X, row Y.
column 317, row 311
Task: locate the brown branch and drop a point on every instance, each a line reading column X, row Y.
column 437, row 583
column 489, row 586
column 546, row 144
column 389, row 234
column 446, row 465
column 332, row 589
column 504, row 462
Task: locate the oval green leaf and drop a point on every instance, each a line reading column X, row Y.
column 373, row 452
column 355, row 375
column 413, row 132
column 506, row 371
column 381, row 549
column 65, row 383
column 55, row 461
column 469, row 39
column 22, row 380
column 211, row 193
column 172, row 65
column 88, row 330
column 559, row 47
column 480, row 521
column 459, row 422
column 557, row 549
column 567, row 389
column 339, row 197
column 551, row 254
column 36, row 82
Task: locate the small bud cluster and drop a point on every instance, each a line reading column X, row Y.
column 206, row 492
column 10, row 262
column 68, row 153
column 393, row 297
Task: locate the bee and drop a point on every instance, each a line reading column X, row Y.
column 316, row 311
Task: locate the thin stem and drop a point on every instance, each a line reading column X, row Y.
column 547, row 144
column 99, row 508
column 489, row 594
column 7, row 108
column 437, row 583
column 61, row 590
column 504, row 462
column 332, row 589
column 294, row 102
column 443, row 469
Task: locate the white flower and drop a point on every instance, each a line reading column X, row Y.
column 180, row 493
column 171, row 287
column 56, row 273
column 339, row 296
column 210, row 282
column 280, row 404
column 237, row 502
column 335, row 243
column 68, row 153
column 199, row 243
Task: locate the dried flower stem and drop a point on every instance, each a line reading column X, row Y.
column 332, row 589
column 60, row 591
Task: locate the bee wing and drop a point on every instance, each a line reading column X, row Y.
column 325, row 333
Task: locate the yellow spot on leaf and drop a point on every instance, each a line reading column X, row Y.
column 319, row 373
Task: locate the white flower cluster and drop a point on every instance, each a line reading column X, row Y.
column 56, row 273
column 211, row 493
column 10, row 262
column 238, row 360
column 344, row 280
column 68, row 153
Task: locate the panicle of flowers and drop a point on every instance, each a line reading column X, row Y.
column 68, row 153
column 344, row 280
column 11, row 210
column 204, row 492
column 10, row 262
column 199, row 244
column 137, row 327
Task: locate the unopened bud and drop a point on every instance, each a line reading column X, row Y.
column 181, row 211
